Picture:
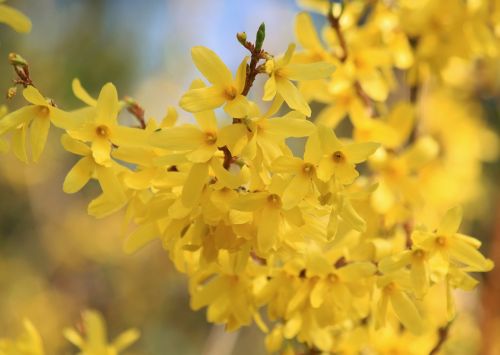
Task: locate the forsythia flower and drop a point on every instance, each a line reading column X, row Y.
column 226, row 90
column 37, row 117
column 28, row 343
column 15, row 19
column 102, row 130
column 281, row 71
column 322, row 252
column 95, row 341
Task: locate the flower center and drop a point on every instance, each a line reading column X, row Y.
column 308, row 169
column 230, row 93
column 418, row 254
column 338, row 157
column 333, row 278
column 441, row 241
column 390, row 287
column 102, row 131
column 210, row 138
column 274, row 200
column 44, row 111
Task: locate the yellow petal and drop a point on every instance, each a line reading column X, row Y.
column 407, row 312
column 206, row 120
column 74, row 146
column 101, row 149
column 64, row 120
column 286, row 164
column 292, row 326
column 268, row 229
column 296, row 191
column 19, row 143
column 110, row 184
column 307, row 71
column 332, row 115
column 451, row 221
column 269, row 89
column 359, row 152
column 203, row 154
column 15, row 118
column 287, row 57
column 170, row 118
column 467, row 254
column 125, row 339
column 104, row 205
column 241, row 75
column 234, row 136
column 345, row 173
column 292, row 96
column 238, row 107
column 194, row 184
column 306, row 34
column 107, row 105
column 318, row 294
column 250, row 201
column 82, row 94
column 129, row 136
column 15, row 19
column 290, row 127
column 33, row 96
column 211, row 66
column 39, row 132
column 419, row 276
column 178, row 138
column 312, row 151
column 140, row 237
column 79, row 175
column 203, row 99
column 374, row 85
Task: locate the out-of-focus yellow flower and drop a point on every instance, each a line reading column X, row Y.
column 37, row 117
column 14, row 18
column 28, row 343
column 452, row 247
column 94, row 340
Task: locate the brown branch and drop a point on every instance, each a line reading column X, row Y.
column 228, row 157
column 136, row 110
column 335, row 24
column 442, row 337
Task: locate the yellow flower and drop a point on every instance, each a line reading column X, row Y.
column 225, row 90
column 201, row 147
column 113, row 196
column 271, row 218
column 303, row 173
column 102, row 130
column 28, row 343
column 451, row 246
column 339, row 159
column 15, row 19
column 281, row 73
column 393, row 287
column 37, row 117
column 95, row 341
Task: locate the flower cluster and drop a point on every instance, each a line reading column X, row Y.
column 93, row 341
column 299, row 242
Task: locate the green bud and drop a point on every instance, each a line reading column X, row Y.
column 261, row 35
column 16, row 59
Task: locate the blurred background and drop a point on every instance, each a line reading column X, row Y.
column 54, row 260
